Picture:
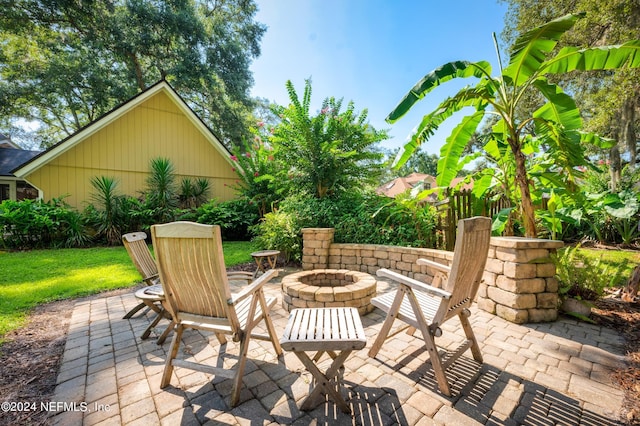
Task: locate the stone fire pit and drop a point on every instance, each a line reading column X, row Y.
column 320, row 288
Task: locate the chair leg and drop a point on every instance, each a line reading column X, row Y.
column 173, row 352
column 267, row 320
column 388, row 322
column 468, row 331
column 430, row 343
column 436, row 363
column 221, row 338
column 242, row 360
column 242, row 357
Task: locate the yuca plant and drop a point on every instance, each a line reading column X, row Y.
column 193, row 193
column 162, row 190
column 108, row 216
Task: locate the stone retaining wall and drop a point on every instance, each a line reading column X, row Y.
column 518, row 285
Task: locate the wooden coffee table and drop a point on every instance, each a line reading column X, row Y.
column 325, row 330
column 271, row 256
column 153, row 297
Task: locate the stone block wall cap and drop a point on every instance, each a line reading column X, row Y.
column 525, row 243
column 317, row 230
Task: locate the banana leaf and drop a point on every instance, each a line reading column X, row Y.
column 448, row 71
column 530, row 49
column 454, row 146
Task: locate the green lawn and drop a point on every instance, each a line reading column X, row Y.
column 39, row 276
column 615, row 258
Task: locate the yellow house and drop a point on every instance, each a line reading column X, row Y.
column 122, row 143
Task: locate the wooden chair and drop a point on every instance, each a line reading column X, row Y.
column 425, row 307
column 197, row 294
column 136, row 245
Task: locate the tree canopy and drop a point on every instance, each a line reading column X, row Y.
column 64, row 63
column 331, row 152
column 609, row 100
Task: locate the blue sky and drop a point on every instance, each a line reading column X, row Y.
column 372, row 52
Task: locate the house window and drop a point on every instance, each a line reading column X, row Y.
column 5, row 193
column 24, row 191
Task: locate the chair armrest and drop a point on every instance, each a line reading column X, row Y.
column 152, row 280
column 434, row 265
column 240, row 275
column 414, row 284
column 253, row 287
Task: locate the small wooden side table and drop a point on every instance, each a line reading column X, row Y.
column 324, row 330
column 153, row 296
column 271, row 256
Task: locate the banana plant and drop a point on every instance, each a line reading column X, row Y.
column 557, row 123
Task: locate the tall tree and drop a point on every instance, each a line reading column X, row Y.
column 64, row 63
column 556, row 124
column 330, row 152
column 420, row 162
column 609, row 100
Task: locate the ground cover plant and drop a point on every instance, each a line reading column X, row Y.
column 587, row 274
column 40, row 276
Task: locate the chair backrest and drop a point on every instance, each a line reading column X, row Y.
column 192, row 270
column 469, row 259
column 136, row 245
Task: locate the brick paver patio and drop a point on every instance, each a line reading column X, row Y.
column 537, row 374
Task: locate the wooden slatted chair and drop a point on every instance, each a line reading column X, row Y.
column 197, row 294
column 136, row 245
column 425, row 307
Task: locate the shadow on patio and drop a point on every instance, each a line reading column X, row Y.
column 556, row 373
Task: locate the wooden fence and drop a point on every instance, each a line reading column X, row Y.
column 460, row 205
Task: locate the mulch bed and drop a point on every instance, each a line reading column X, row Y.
column 624, row 317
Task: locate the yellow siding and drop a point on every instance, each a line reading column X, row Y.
column 124, row 148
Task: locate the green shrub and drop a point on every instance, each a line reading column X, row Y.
column 280, row 230
column 28, row 224
column 357, row 218
column 235, row 217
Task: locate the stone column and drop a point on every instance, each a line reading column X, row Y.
column 519, row 281
column 315, row 247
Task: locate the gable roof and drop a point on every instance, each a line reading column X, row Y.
column 6, row 142
column 69, row 142
column 402, row 184
column 10, row 158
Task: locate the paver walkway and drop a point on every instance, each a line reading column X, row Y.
column 537, row 374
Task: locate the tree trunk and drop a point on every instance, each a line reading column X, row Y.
column 630, row 292
column 628, row 119
column 615, row 167
column 528, row 215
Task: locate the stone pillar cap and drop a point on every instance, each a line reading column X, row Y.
column 525, row 243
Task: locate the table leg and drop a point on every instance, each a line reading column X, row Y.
column 259, row 267
column 272, row 261
column 325, row 382
column 165, row 333
column 155, row 322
